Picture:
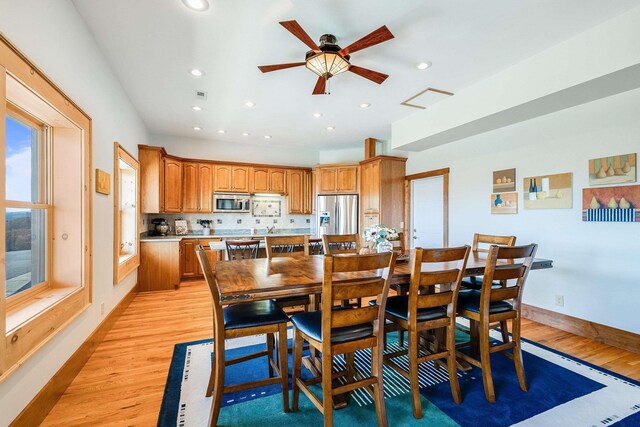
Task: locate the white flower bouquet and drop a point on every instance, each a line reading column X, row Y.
column 379, row 233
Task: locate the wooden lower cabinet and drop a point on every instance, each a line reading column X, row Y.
column 189, row 265
column 159, row 266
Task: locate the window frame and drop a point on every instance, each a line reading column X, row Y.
column 129, row 265
column 44, row 165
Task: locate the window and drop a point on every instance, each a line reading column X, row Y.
column 127, row 190
column 45, row 209
column 26, row 212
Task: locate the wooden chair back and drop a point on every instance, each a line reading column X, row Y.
column 316, row 246
column 513, row 274
column 422, row 292
column 242, row 249
column 214, row 291
column 334, row 244
column 489, row 239
column 398, row 245
column 287, row 246
column 379, row 269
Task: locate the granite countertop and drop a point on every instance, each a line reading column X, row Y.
column 226, row 234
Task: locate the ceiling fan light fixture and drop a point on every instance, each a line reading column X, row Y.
column 327, row 64
column 197, row 5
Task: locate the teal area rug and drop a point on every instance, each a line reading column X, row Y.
column 563, row 391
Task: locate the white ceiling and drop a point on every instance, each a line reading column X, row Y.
column 152, row 44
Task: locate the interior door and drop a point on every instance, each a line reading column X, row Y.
column 427, row 212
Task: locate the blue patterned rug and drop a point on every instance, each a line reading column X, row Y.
column 563, row 391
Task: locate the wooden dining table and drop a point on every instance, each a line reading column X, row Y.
column 263, row 279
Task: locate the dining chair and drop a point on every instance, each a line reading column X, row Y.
column 475, row 282
column 315, row 246
column 334, row 244
column 289, row 246
column 401, row 288
column 490, row 305
column 241, row 320
column 345, row 330
column 424, row 309
column 242, row 249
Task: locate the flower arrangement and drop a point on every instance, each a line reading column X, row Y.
column 379, row 233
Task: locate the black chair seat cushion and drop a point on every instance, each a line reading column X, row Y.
column 470, row 300
column 310, row 324
column 250, row 314
column 475, row 282
column 398, row 306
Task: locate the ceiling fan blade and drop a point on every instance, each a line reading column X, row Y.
column 374, row 76
column 320, row 86
column 295, row 29
column 380, row 35
column 276, row 67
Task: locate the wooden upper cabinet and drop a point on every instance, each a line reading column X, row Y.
column 309, row 193
column 370, row 187
column 296, row 192
column 205, row 187
column 337, row 179
column 223, row 178
column 190, row 199
column 382, row 191
column 278, row 181
column 172, row 185
column 151, row 179
column 347, row 179
column 260, row 180
column 240, row 179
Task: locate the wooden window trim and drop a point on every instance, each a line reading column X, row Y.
column 47, row 311
column 123, row 269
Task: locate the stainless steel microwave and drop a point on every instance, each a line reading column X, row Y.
column 228, row 202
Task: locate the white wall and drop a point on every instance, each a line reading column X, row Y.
column 596, row 265
column 235, row 152
column 54, row 37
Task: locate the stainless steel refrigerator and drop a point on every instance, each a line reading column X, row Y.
column 337, row 214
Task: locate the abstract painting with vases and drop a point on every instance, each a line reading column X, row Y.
column 613, row 170
column 611, row 204
column 548, row 191
column 504, row 203
column 504, row 181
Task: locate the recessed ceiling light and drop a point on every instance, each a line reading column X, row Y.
column 196, row 108
column 316, row 115
column 423, row 65
column 220, row 130
column 197, row 128
column 197, row 73
column 330, row 128
column 250, row 104
column 245, row 134
column 267, row 137
column 365, row 105
column 197, row 5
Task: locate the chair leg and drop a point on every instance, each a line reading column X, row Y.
column 517, row 354
column 327, row 401
column 485, row 360
column 473, row 334
column 504, row 329
column 452, row 364
column 212, row 377
column 284, row 368
column 349, row 359
column 378, row 389
column 218, row 388
column 270, row 353
column 413, row 374
column 401, row 291
column 297, row 365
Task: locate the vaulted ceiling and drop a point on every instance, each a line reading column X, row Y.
column 152, row 45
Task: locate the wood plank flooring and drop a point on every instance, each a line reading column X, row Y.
column 122, row 383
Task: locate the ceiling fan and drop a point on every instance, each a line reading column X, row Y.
column 329, row 59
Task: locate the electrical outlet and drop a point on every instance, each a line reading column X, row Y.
column 102, row 309
column 559, row 300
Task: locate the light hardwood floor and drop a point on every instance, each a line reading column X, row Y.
column 122, row 383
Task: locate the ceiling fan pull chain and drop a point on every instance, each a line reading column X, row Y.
column 328, row 85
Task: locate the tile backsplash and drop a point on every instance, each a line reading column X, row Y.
column 230, row 221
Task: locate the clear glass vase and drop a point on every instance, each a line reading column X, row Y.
column 384, row 246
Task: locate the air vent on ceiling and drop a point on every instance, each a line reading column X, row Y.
column 426, row 97
column 201, row 95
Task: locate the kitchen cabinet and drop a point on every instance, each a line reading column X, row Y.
column 337, row 179
column 151, row 179
column 269, row 180
column 196, row 187
column 189, row 264
column 172, row 185
column 300, row 191
column 260, row 180
column 382, row 191
column 159, row 266
column 233, row 179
